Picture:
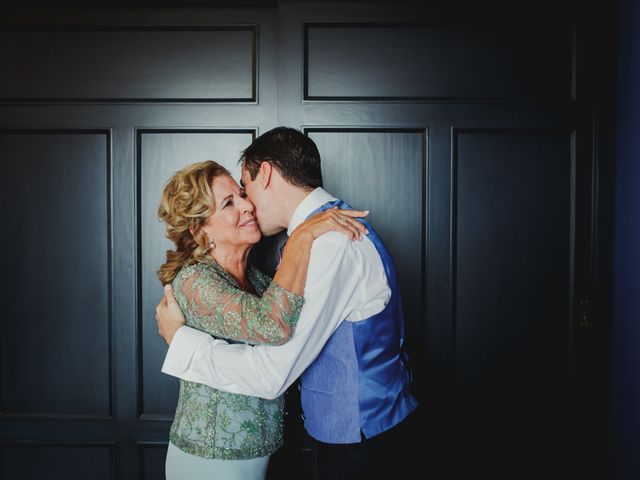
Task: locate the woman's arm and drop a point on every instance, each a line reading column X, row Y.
column 216, row 307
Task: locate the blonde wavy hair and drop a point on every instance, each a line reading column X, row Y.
column 186, row 204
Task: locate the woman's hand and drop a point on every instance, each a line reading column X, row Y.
column 336, row 220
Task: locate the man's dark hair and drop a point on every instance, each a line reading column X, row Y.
column 290, row 151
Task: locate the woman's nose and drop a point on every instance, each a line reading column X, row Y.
column 247, row 206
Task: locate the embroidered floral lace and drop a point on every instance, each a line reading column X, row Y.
column 211, row 423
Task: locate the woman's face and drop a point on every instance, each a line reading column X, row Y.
column 233, row 222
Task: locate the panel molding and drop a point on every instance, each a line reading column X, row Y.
column 139, row 133
column 143, row 447
column 110, row 446
column 423, row 131
column 253, row 28
column 109, row 214
column 569, row 98
column 453, row 219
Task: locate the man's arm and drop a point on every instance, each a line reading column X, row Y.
column 331, row 291
column 169, row 317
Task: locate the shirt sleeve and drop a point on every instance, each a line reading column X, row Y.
column 215, row 307
column 331, row 291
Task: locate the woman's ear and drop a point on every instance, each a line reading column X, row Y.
column 265, row 174
column 192, row 229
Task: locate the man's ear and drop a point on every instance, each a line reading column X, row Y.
column 265, row 174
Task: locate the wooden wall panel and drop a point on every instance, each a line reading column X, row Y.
column 211, row 64
column 160, row 154
column 384, row 171
column 513, row 273
column 68, row 461
column 369, row 61
column 56, row 349
column 152, row 459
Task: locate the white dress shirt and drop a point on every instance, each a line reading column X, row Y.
column 345, row 281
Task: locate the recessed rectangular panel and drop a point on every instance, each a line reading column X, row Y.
column 55, row 346
column 383, row 171
column 512, row 255
column 161, row 154
column 35, row 462
column 129, row 64
column 396, row 61
column 152, row 460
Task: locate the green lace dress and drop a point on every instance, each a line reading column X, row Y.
column 211, row 423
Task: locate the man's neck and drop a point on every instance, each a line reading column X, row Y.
column 289, row 199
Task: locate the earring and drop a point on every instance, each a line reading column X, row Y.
column 212, row 245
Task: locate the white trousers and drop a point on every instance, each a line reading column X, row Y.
column 181, row 465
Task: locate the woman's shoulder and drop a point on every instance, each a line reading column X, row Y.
column 199, row 268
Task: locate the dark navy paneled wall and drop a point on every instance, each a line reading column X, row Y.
column 480, row 139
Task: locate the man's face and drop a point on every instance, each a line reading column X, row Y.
column 260, row 197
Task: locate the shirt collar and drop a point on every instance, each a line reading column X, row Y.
column 312, row 202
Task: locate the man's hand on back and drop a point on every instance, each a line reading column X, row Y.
column 169, row 317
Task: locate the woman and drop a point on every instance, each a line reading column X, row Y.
column 217, row 434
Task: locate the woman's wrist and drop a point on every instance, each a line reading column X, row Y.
column 301, row 236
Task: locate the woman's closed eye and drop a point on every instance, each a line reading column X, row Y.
column 226, row 202
column 229, row 200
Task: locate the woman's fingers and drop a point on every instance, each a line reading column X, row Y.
column 339, row 223
column 350, row 227
column 338, row 220
column 349, row 217
column 346, row 229
column 347, row 223
column 359, row 226
column 352, row 213
column 355, row 226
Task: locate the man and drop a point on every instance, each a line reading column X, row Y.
column 347, row 346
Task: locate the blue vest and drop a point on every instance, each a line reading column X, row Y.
column 360, row 382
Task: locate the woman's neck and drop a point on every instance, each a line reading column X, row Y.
column 234, row 262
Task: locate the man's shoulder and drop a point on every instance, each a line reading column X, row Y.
column 338, row 244
column 333, row 238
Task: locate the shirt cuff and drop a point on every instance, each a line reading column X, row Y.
column 183, row 346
